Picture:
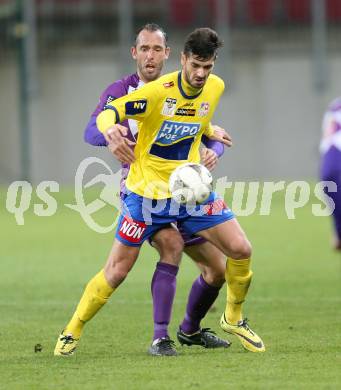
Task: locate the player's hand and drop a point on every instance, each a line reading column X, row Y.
column 119, row 145
column 221, row 135
column 209, row 158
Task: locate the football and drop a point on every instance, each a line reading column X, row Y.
column 190, row 183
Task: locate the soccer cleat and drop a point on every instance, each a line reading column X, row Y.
column 163, row 346
column 204, row 337
column 66, row 345
column 249, row 339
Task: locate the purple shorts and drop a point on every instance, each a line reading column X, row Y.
column 188, row 240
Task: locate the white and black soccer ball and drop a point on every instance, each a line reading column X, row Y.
column 190, row 183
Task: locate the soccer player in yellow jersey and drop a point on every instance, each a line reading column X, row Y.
column 150, row 50
column 175, row 112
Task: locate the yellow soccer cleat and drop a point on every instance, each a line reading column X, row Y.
column 66, row 345
column 249, row 339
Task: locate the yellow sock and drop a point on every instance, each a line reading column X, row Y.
column 96, row 294
column 238, row 278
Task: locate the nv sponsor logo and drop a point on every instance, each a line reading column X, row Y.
column 136, row 107
column 171, row 132
column 139, row 105
column 131, row 230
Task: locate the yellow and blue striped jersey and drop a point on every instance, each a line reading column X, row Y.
column 173, row 117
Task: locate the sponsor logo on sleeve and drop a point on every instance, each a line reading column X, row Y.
column 131, row 230
column 169, row 107
column 204, row 109
column 136, row 107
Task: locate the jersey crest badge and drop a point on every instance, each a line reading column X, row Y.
column 204, row 109
column 169, row 107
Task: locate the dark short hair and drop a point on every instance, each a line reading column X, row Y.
column 151, row 27
column 203, row 43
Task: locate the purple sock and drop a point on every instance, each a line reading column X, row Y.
column 200, row 299
column 163, row 291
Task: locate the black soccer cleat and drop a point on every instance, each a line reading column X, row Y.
column 163, row 346
column 204, row 337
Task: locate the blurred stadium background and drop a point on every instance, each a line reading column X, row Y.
column 281, row 61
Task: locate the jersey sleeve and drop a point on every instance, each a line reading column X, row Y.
column 91, row 133
column 209, row 131
column 217, row 87
column 111, row 93
column 137, row 105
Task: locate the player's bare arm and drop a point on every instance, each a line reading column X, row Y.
column 209, row 158
column 119, row 145
column 221, row 135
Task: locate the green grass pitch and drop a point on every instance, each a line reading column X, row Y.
column 294, row 303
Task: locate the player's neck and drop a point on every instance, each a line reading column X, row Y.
column 189, row 90
column 140, row 75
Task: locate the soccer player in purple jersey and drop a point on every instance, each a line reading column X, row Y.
column 331, row 161
column 150, row 52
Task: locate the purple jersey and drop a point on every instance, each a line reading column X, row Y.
column 115, row 90
column 331, row 160
column 331, row 127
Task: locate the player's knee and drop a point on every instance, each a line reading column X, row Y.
column 172, row 252
column 119, row 276
column 176, row 247
column 116, row 274
column 241, row 249
column 214, row 278
column 170, row 247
